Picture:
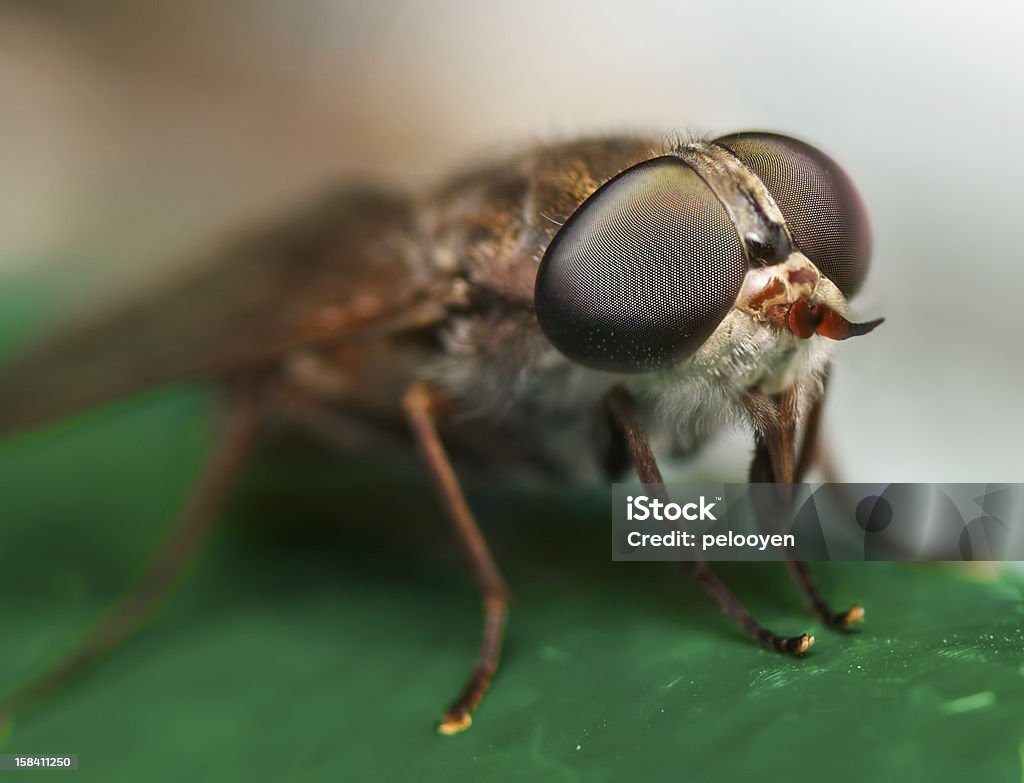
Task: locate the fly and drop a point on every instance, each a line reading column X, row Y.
column 657, row 294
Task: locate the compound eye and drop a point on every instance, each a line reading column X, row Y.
column 821, row 205
column 642, row 272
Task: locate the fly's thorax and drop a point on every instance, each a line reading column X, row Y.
column 491, row 225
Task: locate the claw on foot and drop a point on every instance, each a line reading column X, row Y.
column 801, row 644
column 454, row 722
column 853, row 615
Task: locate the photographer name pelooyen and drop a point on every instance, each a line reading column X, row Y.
column 641, row 508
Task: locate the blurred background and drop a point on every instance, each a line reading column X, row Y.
column 133, row 136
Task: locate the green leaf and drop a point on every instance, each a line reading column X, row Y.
column 331, row 621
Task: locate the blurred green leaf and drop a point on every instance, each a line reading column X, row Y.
column 331, row 621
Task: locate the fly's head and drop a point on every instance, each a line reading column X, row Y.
column 733, row 259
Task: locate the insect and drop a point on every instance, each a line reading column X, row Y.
column 581, row 306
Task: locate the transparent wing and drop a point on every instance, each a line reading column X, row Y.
column 349, row 267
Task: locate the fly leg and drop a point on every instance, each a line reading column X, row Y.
column 175, row 553
column 620, row 407
column 773, row 463
column 421, row 408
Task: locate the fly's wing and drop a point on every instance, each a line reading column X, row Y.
column 349, row 268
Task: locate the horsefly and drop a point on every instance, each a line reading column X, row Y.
column 656, row 292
